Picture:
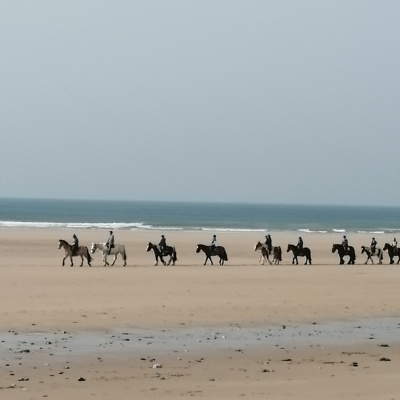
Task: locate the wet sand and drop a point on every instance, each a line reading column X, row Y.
column 242, row 330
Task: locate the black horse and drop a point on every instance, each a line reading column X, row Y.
column 342, row 252
column 168, row 251
column 393, row 252
column 219, row 251
column 306, row 252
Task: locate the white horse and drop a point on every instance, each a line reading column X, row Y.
column 117, row 249
column 378, row 253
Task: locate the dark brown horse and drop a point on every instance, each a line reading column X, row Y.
column 82, row 251
column 219, row 251
column 393, row 252
column 276, row 252
column 305, row 252
column 168, row 251
column 342, row 252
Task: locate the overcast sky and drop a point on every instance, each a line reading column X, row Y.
column 240, row 101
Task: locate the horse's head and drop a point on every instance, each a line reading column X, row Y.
column 93, row 248
column 59, row 244
column 386, row 247
column 257, row 246
column 198, row 248
column 334, row 247
column 149, row 246
column 363, row 249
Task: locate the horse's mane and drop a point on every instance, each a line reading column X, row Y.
column 63, row 241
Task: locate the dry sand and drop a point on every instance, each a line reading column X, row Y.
column 238, row 331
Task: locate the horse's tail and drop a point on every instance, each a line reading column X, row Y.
column 279, row 253
column 88, row 256
column 123, row 253
column 225, row 255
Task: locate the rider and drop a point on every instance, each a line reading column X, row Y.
column 300, row 245
column 373, row 245
column 394, row 245
column 268, row 243
column 75, row 244
column 213, row 244
column 110, row 242
column 345, row 244
column 162, row 244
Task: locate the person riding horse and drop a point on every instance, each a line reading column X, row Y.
column 373, row 245
column 213, row 244
column 75, row 244
column 110, row 242
column 394, row 245
column 300, row 245
column 345, row 244
column 268, row 243
column 163, row 244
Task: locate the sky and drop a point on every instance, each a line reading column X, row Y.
column 259, row 101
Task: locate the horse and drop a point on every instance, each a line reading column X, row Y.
column 168, row 251
column 305, row 252
column 393, row 252
column 117, row 249
column 378, row 253
column 82, row 251
column 341, row 251
column 276, row 252
column 219, row 251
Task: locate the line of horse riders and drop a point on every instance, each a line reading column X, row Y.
column 267, row 251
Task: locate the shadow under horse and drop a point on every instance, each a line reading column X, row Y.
column 168, row 251
column 342, row 252
column 305, row 252
column 219, row 251
column 82, row 251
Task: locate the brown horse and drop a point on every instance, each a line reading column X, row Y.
column 305, row 252
column 219, row 251
column 276, row 252
column 393, row 252
column 82, row 251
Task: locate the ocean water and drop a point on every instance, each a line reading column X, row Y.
column 138, row 215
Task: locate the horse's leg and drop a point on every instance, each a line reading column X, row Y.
column 341, row 261
column 72, row 262
column 115, row 257
column 156, row 262
column 105, row 260
column 81, row 261
column 63, row 263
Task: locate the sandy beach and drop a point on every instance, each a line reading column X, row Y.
column 241, row 330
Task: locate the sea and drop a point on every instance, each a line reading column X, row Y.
column 192, row 216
